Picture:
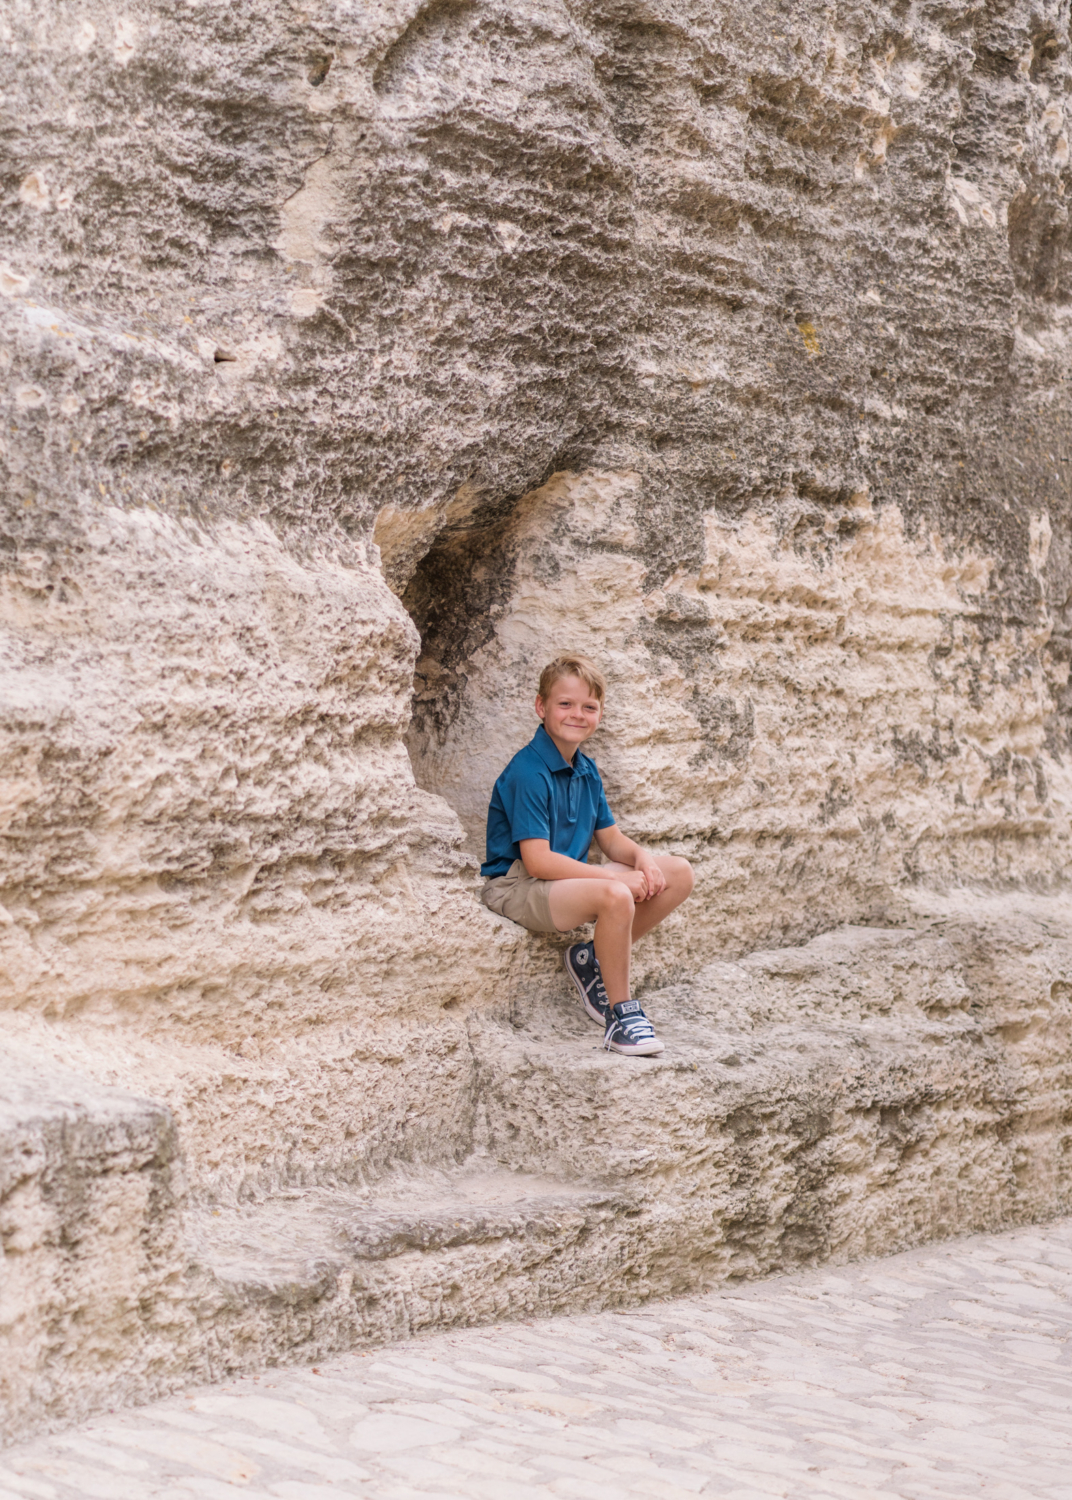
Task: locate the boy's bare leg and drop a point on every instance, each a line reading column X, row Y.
column 679, row 882
column 611, row 907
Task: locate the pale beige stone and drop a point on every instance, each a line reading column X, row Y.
column 355, row 361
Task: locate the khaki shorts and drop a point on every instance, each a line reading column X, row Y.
column 521, row 898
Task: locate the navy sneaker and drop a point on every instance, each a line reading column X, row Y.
column 582, row 966
column 630, row 1031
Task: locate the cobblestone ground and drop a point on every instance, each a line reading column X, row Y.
column 943, row 1372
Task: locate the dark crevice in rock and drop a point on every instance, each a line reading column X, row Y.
column 458, row 587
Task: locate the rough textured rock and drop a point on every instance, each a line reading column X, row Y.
column 813, row 717
column 870, row 1090
column 355, row 360
column 92, row 1278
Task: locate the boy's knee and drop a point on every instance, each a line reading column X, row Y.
column 618, row 900
column 681, row 872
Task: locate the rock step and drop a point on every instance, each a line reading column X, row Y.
column 867, row 1092
column 736, row 1153
column 726, row 1107
column 313, row 1271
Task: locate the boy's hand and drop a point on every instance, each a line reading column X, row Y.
column 654, row 879
column 635, row 883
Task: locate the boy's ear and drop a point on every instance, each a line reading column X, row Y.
column 540, row 709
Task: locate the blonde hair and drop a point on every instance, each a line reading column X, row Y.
column 573, row 666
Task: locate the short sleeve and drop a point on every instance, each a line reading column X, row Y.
column 604, row 816
column 527, row 804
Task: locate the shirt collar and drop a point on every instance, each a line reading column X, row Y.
column 553, row 758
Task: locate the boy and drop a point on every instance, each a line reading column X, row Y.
column 545, row 808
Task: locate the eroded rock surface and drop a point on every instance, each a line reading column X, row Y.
column 356, row 360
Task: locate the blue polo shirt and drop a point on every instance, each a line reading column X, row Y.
column 541, row 796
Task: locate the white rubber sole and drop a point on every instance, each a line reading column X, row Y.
column 590, row 1009
column 640, row 1049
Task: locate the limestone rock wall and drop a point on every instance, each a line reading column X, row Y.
column 816, row 714
column 357, row 358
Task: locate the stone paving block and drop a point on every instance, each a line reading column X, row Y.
column 295, row 1489
column 574, row 1488
column 215, row 1489
column 418, row 1468
column 333, row 1469
column 25, row 1486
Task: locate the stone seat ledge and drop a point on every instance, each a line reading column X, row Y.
column 872, row 1090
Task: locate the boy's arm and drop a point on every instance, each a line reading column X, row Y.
column 541, row 864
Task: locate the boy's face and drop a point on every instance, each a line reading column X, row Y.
column 570, row 713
